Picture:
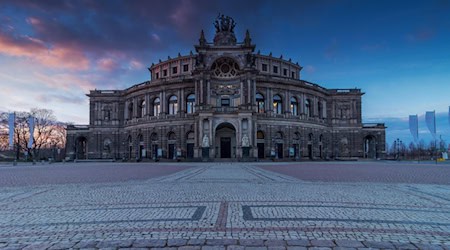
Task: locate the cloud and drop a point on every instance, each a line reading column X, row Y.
column 156, row 38
column 67, row 82
column 35, row 49
column 61, row 98
column 107, row 64
column 135, row 65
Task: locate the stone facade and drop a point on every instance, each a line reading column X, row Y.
column 225, row 101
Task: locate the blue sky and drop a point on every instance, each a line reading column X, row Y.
column 53, row 52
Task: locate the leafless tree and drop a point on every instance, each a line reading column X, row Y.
column 48, row 132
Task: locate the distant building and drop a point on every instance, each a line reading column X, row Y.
column 225, row 101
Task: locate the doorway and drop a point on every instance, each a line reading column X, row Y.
column 260, row 150
column 225, row 140
column 310, row 152
column 280, row 150
column 225, row 147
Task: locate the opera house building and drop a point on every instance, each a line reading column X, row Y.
column 225, row 101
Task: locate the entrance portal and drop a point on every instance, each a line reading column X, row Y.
column 370, row 150
column 81, row 148
column 225, row 147
column 225, row 141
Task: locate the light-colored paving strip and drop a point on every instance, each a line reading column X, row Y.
column 237, row 205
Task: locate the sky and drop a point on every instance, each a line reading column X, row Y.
column 398, row 52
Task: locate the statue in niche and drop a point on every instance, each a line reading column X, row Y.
column 205, row 142
column 245, row 141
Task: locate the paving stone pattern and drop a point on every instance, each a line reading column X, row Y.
column 224, row 206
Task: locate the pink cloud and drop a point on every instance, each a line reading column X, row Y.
column 135, row 64
column 66, row 82
column 107, row 64
column 55, row 56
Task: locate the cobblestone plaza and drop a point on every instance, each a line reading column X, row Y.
column 307, row 205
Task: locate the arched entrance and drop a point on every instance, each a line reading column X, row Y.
column 81, row 148
column 225, row 141
column 370, row 148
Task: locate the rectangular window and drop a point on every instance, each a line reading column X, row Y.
column 157, row 75
column 293, row 74
column 285, row 72
column 275, row 69
column 165, row 72
column 186, row 68
column 264, row 67
column 175, row 70
column 225, row 102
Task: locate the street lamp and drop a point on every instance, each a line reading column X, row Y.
column 398, row 144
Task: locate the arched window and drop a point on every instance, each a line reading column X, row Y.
column 173, row 105
column 279, row 135
column 308, row 108
column 320, row 109
column 154, row 137
column 260, row 103
column 156, row 107
column 277, row 105
column 190, row 104
column 310, row 137
column 259, row 135
column 130, row 111
column 171, row 136
column 294, row 106
column 141, row 108
column 190, row 136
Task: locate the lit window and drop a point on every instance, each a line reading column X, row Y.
column 156, row 107
column 173, row 105
column 294, row 106
column 141, row 108
column 260, row 103
column 277, row 105
column 190, row 104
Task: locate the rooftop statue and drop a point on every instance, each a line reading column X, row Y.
column 224, row 31
column 224, row 23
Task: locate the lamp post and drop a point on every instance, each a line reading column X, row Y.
column 398, row 144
